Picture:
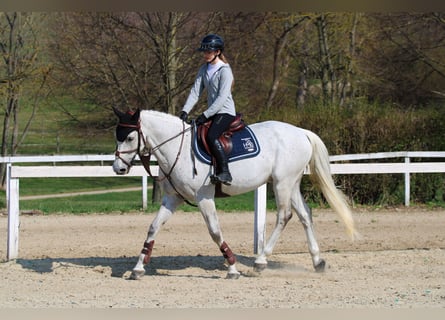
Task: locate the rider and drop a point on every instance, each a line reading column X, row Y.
column 217, row 78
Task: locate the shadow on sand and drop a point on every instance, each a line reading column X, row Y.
column 120, row 266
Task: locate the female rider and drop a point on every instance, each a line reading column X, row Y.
column 217, row 78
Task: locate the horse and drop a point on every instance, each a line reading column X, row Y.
column 286, row 152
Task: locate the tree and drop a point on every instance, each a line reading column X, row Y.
column 281, row 59
column 21, row 74
column 162, row 29
column 404, row 56
column 337, row 44
column 129, row 59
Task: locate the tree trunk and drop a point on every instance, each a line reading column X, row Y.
column 162, row 28
column 327, row 74
column 10, row 58
column 172, row 64
column 302, row 88
column 280, row 61
column 347, row 81
column 18, row 46
column 277, row 66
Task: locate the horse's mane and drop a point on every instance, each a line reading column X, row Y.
column 163, row 115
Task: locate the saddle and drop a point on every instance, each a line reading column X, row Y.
column 226, row 138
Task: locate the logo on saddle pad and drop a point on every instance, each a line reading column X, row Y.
column 239, row 143
column 248, row 144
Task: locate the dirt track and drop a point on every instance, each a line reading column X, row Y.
column 85, row 261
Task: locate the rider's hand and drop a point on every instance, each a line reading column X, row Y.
column 183, row 115
column 201, row 119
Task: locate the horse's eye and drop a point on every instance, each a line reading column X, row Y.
column 129, row 139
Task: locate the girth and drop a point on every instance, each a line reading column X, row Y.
column 226, row 138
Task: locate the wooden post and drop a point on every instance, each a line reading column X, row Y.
column 13, row 215
column 144, row 192
column 260, row 219
column 407, row 183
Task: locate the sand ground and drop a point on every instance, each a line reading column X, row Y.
column 84, row 261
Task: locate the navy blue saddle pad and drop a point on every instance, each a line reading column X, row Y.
column 245, row 145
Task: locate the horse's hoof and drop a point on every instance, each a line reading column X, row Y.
column 320, row 266
column 137, row 274
column 233, row 275
column 259, row 267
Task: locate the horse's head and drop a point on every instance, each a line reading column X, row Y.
column 128, row 140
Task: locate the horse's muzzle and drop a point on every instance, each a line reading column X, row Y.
column 120, row 168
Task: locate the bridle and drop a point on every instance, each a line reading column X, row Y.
column 118, row 153
column 146, row 153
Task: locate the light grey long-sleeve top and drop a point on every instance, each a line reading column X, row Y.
column 219, row 91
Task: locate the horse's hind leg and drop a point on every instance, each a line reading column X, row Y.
column 284, row 214
column 305, row 215
column 169, row 204
column 208, row 210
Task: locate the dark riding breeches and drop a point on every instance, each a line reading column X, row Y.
column 220, row 123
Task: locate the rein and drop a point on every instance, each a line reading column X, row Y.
column 145, row 155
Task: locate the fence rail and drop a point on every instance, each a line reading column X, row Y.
column 15, row 171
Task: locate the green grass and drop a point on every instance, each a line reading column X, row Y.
column 41, row 186
column 66, row 126
column 243, row 202
column 98, row 203
column 116, row 202
column 122, row 202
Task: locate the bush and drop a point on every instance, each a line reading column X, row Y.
column 369, row 128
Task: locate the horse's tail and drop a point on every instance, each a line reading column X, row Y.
column 320, row 170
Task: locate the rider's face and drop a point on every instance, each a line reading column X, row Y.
column 209, row 56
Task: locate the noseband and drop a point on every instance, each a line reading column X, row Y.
column 118, row 153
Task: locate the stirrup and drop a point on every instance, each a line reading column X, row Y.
column 225, row 179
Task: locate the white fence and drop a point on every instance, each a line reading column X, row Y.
column 15, row 172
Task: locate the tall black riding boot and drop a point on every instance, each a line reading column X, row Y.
column 222, row 165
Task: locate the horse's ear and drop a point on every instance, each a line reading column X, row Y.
column 136, row 114
column 118, row 113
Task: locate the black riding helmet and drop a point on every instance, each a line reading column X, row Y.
column 212, row 42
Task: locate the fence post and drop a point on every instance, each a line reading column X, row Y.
column 144, row 192
column 260, row 218
column 12, row 191
column 407, row 182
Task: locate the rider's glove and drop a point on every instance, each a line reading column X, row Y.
column 201, row 119
column 183, row 115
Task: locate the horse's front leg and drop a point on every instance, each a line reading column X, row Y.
column 208, row 210
column 169, row 205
